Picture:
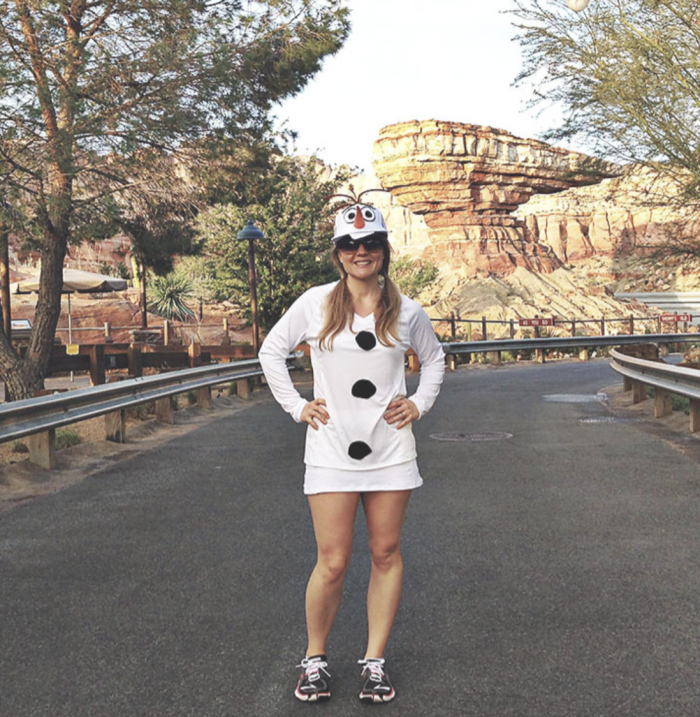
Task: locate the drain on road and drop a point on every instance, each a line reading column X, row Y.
column 571, row 398
column 482, row 437
column 610, row 419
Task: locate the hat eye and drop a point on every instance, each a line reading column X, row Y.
column 350, row 214
column 368, row 214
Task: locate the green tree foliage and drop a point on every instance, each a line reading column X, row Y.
column 94, row 94
column 169, row 295
column 626, row 74
column 295, row 254
column 412, row 275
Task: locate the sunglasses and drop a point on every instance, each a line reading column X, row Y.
column 369, row 243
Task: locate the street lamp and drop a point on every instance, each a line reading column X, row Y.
column 251, row 233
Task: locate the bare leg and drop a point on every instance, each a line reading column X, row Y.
column 333, row 516
column 385, row 512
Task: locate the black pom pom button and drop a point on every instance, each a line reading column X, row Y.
column 363, row 389
column 365, row 340
column 359, row 450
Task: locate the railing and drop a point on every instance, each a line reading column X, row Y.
column 540, row 346
column 560, row 324
column 666, row 380
column 38, row 418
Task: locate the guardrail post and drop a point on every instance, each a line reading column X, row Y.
column 512, row 329
column 451, row 362
column 639, row 392
column 631, row 323
column 573, row 327
column 115, row 426
column 204, row 397
column 164, row 410
column 42, row 448
column 134, row 358
column 540, row 355
column 166, row 332
column 602, row 326
column 494, row 357
column 694, row 415
column 658, row 324
column 626, row 383
column 583, row 354
column 453, row 327
column 243, row 388
column 194, row 351
column 484, row 334
column 413, row 363
column 97, row 365
column 662, row 402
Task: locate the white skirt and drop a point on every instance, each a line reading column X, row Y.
column 404, row 476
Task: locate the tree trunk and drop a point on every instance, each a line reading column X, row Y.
column 23, row 380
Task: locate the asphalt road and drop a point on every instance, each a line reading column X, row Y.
column 552, row 573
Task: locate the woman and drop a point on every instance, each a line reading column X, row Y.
column 360, row 445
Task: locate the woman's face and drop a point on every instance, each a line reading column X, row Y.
column 362, row 259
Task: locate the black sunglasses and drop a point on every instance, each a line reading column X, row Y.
column 370, row 243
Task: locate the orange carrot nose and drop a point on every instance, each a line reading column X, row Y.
column 359, row 219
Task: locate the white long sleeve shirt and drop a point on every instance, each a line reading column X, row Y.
column 358, row 379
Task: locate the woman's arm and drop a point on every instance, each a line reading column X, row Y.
column 431, row 357
column 284, row 336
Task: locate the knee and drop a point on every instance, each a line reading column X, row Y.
column 332, row 567
column 385, row 555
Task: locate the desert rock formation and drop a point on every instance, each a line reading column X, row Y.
column 466, row 181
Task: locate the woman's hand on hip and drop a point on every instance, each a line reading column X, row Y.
column 315, row 411
column 401, row 411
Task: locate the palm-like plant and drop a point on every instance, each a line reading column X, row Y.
column 169, row 295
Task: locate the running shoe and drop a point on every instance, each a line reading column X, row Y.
column 312, row 685
column 377, row 686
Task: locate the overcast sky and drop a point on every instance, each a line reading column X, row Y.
column 413, row 59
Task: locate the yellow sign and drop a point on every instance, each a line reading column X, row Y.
column 72, row 349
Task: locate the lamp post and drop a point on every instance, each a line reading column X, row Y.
column 251, row 233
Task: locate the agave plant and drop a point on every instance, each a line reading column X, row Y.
column 168, row 297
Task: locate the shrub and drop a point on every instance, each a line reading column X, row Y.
column 19, row 447
column 67, row 437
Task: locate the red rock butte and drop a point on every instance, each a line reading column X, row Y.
column 466, row 180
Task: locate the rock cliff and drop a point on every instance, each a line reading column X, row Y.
column 466, row 181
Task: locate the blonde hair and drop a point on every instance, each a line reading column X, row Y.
column 340, row 311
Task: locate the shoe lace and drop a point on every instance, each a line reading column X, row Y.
column 313, row 668
column 375, row 667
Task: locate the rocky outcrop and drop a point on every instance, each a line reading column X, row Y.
column 617, row 218
column 466, row 181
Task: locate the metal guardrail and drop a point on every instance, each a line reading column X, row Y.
column 564, row 342
column 34, row 415
column 676, row 379
column 665, row 379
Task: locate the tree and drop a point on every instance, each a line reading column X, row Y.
column 412, row 275
column 91, row 92
column 627, row 75
column 296, row 219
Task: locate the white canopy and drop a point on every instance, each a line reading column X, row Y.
column 74, row 280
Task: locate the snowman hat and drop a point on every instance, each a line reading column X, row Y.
column 358, row 220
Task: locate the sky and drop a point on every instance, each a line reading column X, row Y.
column 449, row 60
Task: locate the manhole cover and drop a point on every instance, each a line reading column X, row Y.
column 473, row 437
column 610, row 419
column 570, row 398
